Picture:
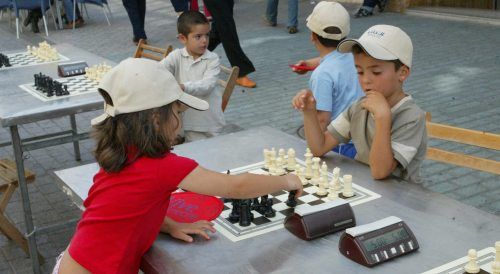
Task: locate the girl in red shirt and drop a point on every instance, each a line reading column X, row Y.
column 127, row 203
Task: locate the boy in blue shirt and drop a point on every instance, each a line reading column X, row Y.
column 334, row 82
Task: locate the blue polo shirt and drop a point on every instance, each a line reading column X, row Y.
column 334, row 83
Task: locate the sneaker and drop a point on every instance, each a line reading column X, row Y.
column 268, row 22
column 292, row 30
column 78, row 23
column 381, row 5
column 363, row 13
column 245, row 82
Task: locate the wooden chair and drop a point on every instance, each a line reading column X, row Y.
column 8, row 184
column 228, row 84
column 464, row 136
column 158, row 53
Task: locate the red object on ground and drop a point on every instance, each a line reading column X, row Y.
column 189, row 207
column 308, row 68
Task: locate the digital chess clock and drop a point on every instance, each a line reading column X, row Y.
column 71, row 69
column 377, row 242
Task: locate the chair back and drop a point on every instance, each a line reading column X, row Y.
column 464, row 136
column 228, row 84
column 30, row 5
column 155, row 53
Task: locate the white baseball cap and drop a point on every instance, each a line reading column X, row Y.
column 383, row 42
column 138, row 84
column 329, row 14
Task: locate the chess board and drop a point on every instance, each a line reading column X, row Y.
column 76, row 86
column 484, row 259
column 261, row 224
column 25, row 59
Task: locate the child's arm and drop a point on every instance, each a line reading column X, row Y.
column 169, row 62
column 382, row 161
column 208, row 83
column 319, row 141
column 239, row 186
column 181, row 231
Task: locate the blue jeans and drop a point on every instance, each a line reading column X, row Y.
column 136, row 10
column 293, row 10
column 68, row 7
column 347, row 150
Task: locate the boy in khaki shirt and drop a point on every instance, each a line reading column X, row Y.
column 386, row 126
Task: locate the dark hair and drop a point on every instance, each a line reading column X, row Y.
column 188, row 19
column 357, row 49
column 134, row 132
column 329, row 43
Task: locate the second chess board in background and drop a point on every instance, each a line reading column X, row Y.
column 25, row 59
column 261, row 224
column 76, row 86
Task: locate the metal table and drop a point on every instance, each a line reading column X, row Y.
column 18, row 107
column 445, row 228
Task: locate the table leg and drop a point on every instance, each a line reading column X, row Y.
column 30, row 232
column 76, row 144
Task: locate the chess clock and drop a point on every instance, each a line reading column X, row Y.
column 311, row 222
column 377, row 242
column 71, row 69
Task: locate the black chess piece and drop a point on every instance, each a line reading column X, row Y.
column 269, row 211
column 234, row 216
column 58, row 88
column 65, row 91
column 255, row 204
column 291, row 202
column 246, row 215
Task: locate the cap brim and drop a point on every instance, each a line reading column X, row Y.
column 374, row 50
column 193, row 102
column 99, row 119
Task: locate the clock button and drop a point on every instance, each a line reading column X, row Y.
column 393, row 250
column 401, row 246
column 375, row 257
column 385, row 254
column 410, row 243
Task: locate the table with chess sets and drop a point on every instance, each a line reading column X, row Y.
column 247, row 218
column 46, row 88
column 43, row 54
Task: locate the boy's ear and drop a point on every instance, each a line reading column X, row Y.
column 182, row 38
column 403, row 73
column 313, row 37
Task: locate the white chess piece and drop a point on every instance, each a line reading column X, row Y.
column 265, row 152
column 335, row 183
column 315, row 171
column 300, row 173
column 497, row 251
column 321, row 188
column 279, row 167
column 324, row 174
column 281, row 154
column 495, row 267
column 472, row 266
column 347, row 192
column 308, row 156
column 291, row 163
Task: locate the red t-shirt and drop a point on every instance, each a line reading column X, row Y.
column 124, row 212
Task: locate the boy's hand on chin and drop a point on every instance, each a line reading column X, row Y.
column 376, row 103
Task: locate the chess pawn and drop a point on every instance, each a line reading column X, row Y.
column 300, row 173
column 321, row 188
column 266, row 158
column 347, row 192
column 335, row 183
column 495, row 267
column 472, row 266
column 332, row 195
column 281, row 153
column 324, row 173
column 291, row 163
column 279, row 167
column 315, row 170
column 308, row 172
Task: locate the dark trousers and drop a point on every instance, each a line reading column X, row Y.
column 370, row 3
column 136, row 10
column 180, row 5
column 224, row 31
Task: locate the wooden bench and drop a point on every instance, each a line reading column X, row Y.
column 8, row 184
column 463, row 136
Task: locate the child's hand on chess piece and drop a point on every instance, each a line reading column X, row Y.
column 304, row 101
column 294, row 183
column 181, row 231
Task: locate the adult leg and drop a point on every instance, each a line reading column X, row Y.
column 293, row 10
column 136, row 19
column 272, row 12
column 142, row 14
column 366, row 9
column 223, row 23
